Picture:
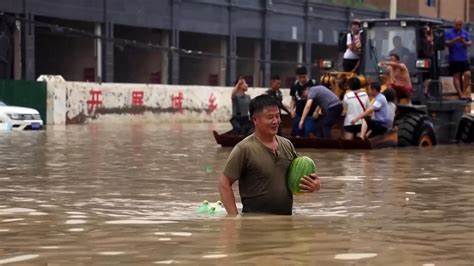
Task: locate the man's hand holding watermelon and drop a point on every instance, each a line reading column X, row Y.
column 310, row 183
column 302, row 176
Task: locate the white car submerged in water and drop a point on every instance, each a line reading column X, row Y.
column 19, row 118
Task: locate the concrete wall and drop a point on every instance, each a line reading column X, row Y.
column 451, row 9
column 403, row 6
column 85, row 102
column 471, row 10
column 445, row 9
column 56, row 99
column 415, row 7
column 422, row 8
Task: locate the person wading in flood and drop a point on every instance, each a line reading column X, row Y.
column 260, row 163
column 275, row 92
column 330, row 105
column 240, row 108
column 298, row 102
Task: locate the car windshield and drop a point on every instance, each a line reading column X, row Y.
column 383, row 41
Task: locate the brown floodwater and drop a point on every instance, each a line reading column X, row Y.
column 128, row 194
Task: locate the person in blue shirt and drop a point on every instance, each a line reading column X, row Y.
column 380, row 121
column 457, row 40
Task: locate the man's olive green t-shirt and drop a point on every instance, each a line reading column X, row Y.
column 262, row 175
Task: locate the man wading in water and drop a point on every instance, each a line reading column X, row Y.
column 240, row 121
column 260, row 162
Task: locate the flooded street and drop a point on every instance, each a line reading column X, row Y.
column 129, row 193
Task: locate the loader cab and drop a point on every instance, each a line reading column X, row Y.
column 413, row 40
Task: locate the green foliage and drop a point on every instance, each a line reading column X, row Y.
column 352, row 3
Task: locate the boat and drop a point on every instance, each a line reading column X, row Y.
column 389, row 139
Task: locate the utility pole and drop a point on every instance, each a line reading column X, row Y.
column 393, row 9
column 98, row 45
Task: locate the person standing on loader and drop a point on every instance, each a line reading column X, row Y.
column 457, row 40
column 350, row 62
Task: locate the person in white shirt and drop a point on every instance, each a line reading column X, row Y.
column 379, row 123
column 355, row 102
column 391, row 97
column 350, row 62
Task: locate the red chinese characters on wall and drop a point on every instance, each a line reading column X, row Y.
column 95, row 100
column 212, row 105
column 177, row 102
column 137, row 98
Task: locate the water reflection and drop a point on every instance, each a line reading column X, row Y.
column 128, row 193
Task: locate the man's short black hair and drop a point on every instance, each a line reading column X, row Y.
column 301, row 70
column 376, row 86
column 258, row 103
column 395, row 55
column 275, row 77
column 354, row 83
column 390, row 94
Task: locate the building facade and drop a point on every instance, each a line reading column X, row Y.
column 445, row 9
column 200, row 42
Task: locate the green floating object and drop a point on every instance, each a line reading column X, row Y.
column 208, row 169
column 207, row 207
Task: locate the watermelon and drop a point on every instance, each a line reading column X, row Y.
column 299, row 167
